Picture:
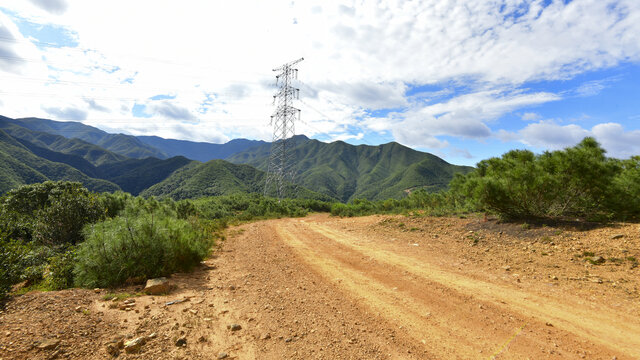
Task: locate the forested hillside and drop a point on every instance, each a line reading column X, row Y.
column 346, row 172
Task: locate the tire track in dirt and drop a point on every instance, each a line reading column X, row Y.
column 603, row 326
column 472, row 318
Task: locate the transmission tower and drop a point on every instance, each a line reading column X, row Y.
column 280, row 174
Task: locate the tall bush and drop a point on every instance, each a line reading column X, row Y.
column 577, row 182
column 52, row 213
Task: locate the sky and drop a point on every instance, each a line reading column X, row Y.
column 465, row 80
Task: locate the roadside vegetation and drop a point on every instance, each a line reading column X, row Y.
column 577, row 183
column 55, row 235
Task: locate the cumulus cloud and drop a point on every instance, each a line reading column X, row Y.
column 530, row 116
column 548, row 134
column 463, row 116
column 95, row 106
column 171, row 111
column 57, row 7
column 357, row 59
column 67, row 113
column 10, row 61
column 618, row 142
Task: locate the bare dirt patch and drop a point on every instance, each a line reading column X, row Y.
column 377, row 287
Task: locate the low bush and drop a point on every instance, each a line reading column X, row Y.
column 139, row 244
column 60, row 270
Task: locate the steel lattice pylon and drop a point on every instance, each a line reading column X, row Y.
column 280, row 175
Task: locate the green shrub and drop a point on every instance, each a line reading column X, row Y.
column 60, row 270
column 52, row 213
column 578, row 182
column 12, row 262
column 114, row 203
column 138, row 245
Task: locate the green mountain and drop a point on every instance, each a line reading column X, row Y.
column 216, row 177
column 200, row 151
column 19, row 165
column 79, row 136
column 121, row 144
column 135, row 175
column 58, row 143
column 347, row 172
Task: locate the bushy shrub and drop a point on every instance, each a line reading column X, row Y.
column 140, row 244
column 578, row 182
column 12, row 262
column 51, row 213
column 60, row 270
column 114, row 203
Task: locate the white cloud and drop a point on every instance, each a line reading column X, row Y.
column 549, row 135
column 530, row 116
column 463, row 116
column 357, row 58
column 57, row 7
column 618, row 142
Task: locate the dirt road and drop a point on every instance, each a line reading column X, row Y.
column 395, row 288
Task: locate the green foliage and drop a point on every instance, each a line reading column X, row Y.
column 51, row 213
column 146, row 241
column 60, row 270
column 421, row 201
column 12, row 263
column 255, row 206
column 578, row 182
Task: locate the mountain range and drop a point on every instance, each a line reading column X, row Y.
column 34, row 150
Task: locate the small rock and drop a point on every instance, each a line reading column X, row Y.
column 597, row 260
column 202, row 339
column 232, row 287
column 152, row 336
column 49, row 344
column 549, row 324
column 181, row 342
column 266, row 336
column 223, row 355
column 554, row 277
column 135, row 345
column 78, row 308
column 113, row 350
column 617, row 236
column 288, row 340
column 157, row 286
column 97, row 290
column 234, row 327
column 507, row 268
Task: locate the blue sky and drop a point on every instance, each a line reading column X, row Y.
column 463, row 80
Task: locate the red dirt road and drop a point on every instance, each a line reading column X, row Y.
column 380, row 287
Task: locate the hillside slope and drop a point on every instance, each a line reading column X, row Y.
column 216, row 177
column 19, row 165
column 347, row 172
column 121, row 144
column 58, row 143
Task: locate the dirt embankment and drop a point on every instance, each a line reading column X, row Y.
column 377, row 287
